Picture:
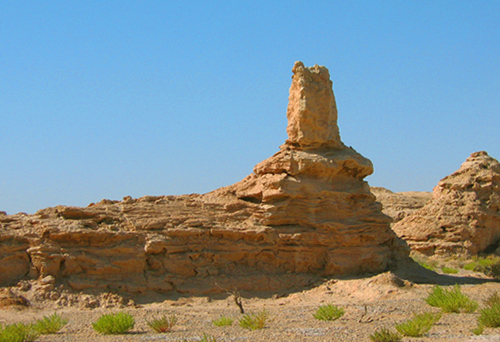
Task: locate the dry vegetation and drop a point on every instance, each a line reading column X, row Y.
column 376, row 308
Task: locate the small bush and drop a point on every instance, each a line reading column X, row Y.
column 490, row 316
column 254, row 321
column 18, row 333
column 452, row 300
column 449, row 270
column 489, row 266
column 162, row 324
column 419, row 325
column 425, row 262
column 223, row 321
column 50, row 325
column 493, row 299
column 117, row 323
column 478, row 330
column 328, row 312
column 385, row 335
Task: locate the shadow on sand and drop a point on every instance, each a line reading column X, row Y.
column 411, row 271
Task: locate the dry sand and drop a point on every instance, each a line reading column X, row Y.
column 370, row 303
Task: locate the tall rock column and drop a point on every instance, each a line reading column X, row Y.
column 314, row 185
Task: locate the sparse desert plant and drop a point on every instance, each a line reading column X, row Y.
column 223, row 321
column 425, row 262
column 114, row 323
column 478, row 330
column 50, row 325
column 493, row 299
column 19, row 332
column 328, row 312
column 490, row 316
column 419, row 325
column 385, row 335
column 162, row 324
column 489, row 265
column 254, row 321
column 449, row 270
column 452, row 300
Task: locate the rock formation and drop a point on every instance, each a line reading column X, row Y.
column 398, row 205
column 303, row 214
column 463, row 217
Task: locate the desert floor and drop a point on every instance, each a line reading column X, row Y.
column 370, row 303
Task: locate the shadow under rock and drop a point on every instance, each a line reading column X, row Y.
column 412, row 271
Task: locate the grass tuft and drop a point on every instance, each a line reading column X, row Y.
column 490, row 316
column 50, row 325
column 452, row 300
column 254, row 321
column 223, row 321
column 385, row 335
column 162, row 324
column 19, row 332
column 328, row 312
column 113, row 324
column 425, row 262
column 449, row 270
column 419, row 325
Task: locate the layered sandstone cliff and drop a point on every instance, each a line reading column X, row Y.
column 463, row 217
column 304, row 213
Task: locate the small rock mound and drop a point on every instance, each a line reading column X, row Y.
column 463, row 217
column 9, row 299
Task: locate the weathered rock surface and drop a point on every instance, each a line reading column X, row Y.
column 398, row 205
column 304, row 213
column 463, row 217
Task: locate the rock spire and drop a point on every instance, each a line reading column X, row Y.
column 303, row 214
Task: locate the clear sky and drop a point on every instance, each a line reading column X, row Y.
column 105, row 99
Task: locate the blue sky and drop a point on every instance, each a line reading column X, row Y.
column 105, row 99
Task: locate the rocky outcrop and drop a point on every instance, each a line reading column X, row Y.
column 398, row 205
column 303, row 214
column 463, row 217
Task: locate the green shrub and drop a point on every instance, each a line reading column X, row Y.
column 489, row 265
column 223, row 321
column 490, row 316
column 449, row 270
column 18, row 333
column 419, row 325
column 117, row 323
column 452, row 300
column 478, row 330
column 425, row 262
column 385, row 335
column 328, row 312
column 254, row 321
column 470, row 266
column 162, row 324
column 493, row 299
column 50, row 325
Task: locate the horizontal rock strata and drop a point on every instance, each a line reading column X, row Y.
column 463, row 217
column 303, row 214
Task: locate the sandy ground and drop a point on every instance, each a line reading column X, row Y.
column 370, row 303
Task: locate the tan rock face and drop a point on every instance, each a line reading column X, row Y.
column 463, row 217
column 398, row 205
column 312, row 111
column 303, row 214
